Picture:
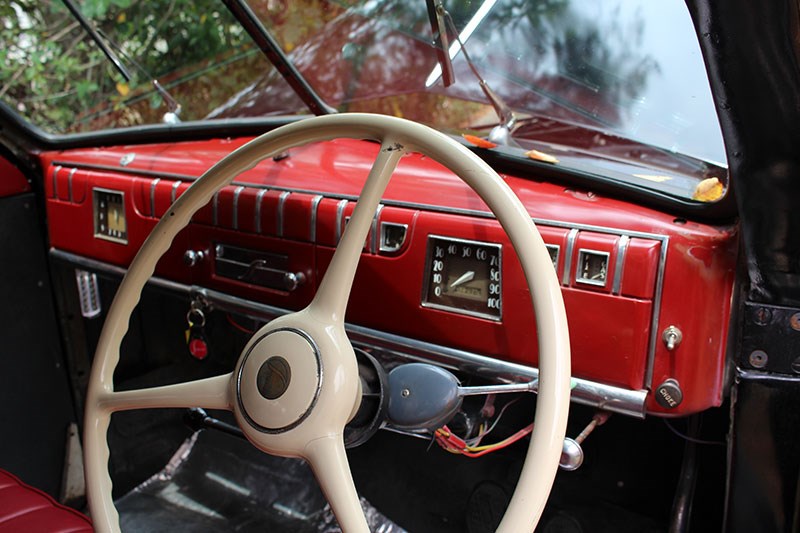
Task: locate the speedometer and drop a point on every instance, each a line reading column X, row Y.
column 464, row 277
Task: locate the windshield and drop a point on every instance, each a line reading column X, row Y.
column 614, row 88
column 631, row 68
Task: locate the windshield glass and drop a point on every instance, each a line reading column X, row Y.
column 614, row 88
column 632, row 68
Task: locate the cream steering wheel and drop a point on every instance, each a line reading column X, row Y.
column 305, row 415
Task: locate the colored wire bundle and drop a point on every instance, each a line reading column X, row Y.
column 455, row 444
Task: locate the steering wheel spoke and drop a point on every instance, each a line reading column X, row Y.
column 209, row 393
column 328, row 461
column 331, row 298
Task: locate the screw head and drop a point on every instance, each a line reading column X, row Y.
column 794, row 321
column 758, row 359
column 762, row 316
column 405, row 393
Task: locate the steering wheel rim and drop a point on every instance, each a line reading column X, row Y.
column 314, row 430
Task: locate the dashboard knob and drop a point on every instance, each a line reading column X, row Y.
column 669, row 394
column 193, row 257
column 292, row 280
column 571, row 455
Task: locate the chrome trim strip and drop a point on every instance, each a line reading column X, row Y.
column 153, row 197
column 236, row 192
column 279, row 220
column 259, row 198
column 585, row 392
column 69, row 183
column 373, row 242
column 312, row 231
column 571, row 237
column 215, row 209
column 339, row 218
column 654, row 329
column 173, row 194
column 619, row 267
column 56, row 170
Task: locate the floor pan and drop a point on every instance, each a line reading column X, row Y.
column 215, row 482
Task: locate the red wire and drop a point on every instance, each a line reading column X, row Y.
column 238, row 326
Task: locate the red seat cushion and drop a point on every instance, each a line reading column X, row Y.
column 24, row 508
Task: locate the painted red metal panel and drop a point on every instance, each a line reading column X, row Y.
column 326, row 221
column 636, row 281
column 246, row 210
column 297, row 216
column 12, row 181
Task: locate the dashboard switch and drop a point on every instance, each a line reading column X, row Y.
column 192, row 258
column 669, row 394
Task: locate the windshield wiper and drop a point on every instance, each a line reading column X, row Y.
column 501, row 133
column 172, row 116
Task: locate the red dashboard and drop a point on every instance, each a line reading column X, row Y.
column 628, row 273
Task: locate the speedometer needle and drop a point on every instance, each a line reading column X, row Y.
column 465, row 277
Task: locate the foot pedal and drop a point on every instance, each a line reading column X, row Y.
column 89, row 293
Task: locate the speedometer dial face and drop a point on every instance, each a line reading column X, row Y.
column 464, row 277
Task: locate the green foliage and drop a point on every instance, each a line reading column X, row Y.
column 56, row 76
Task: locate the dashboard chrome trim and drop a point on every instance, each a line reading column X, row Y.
column 56, row 170
column 395, row 347
column 339, row 219
column 568, row 253
column 236, row 192
column 174, row 192
column 153, row 185
column 619, row 267
column 312, row 230
column 373, row 241
column 257, row 215
column 69, row 183
column 279, row 215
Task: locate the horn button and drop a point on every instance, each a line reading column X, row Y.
column 278, row 380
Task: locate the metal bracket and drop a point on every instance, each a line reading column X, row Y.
column 770, row 339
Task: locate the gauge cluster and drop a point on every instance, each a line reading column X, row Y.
column 464, row 277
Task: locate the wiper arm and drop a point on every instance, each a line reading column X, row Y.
column 436, row 14
column 174, row 108
column 501, row 133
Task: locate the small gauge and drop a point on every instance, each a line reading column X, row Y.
column 109, row 215
column 553, row 250
column 592, row 267
column 464, row 277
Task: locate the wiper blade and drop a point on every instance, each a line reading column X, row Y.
column 173, row 107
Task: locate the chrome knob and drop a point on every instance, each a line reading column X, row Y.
column 193, row 257
column 571, row 455
column 292, row 280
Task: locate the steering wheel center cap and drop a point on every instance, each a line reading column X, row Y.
column 278, row 380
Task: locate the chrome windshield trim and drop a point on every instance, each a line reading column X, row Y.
column 585, row 392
